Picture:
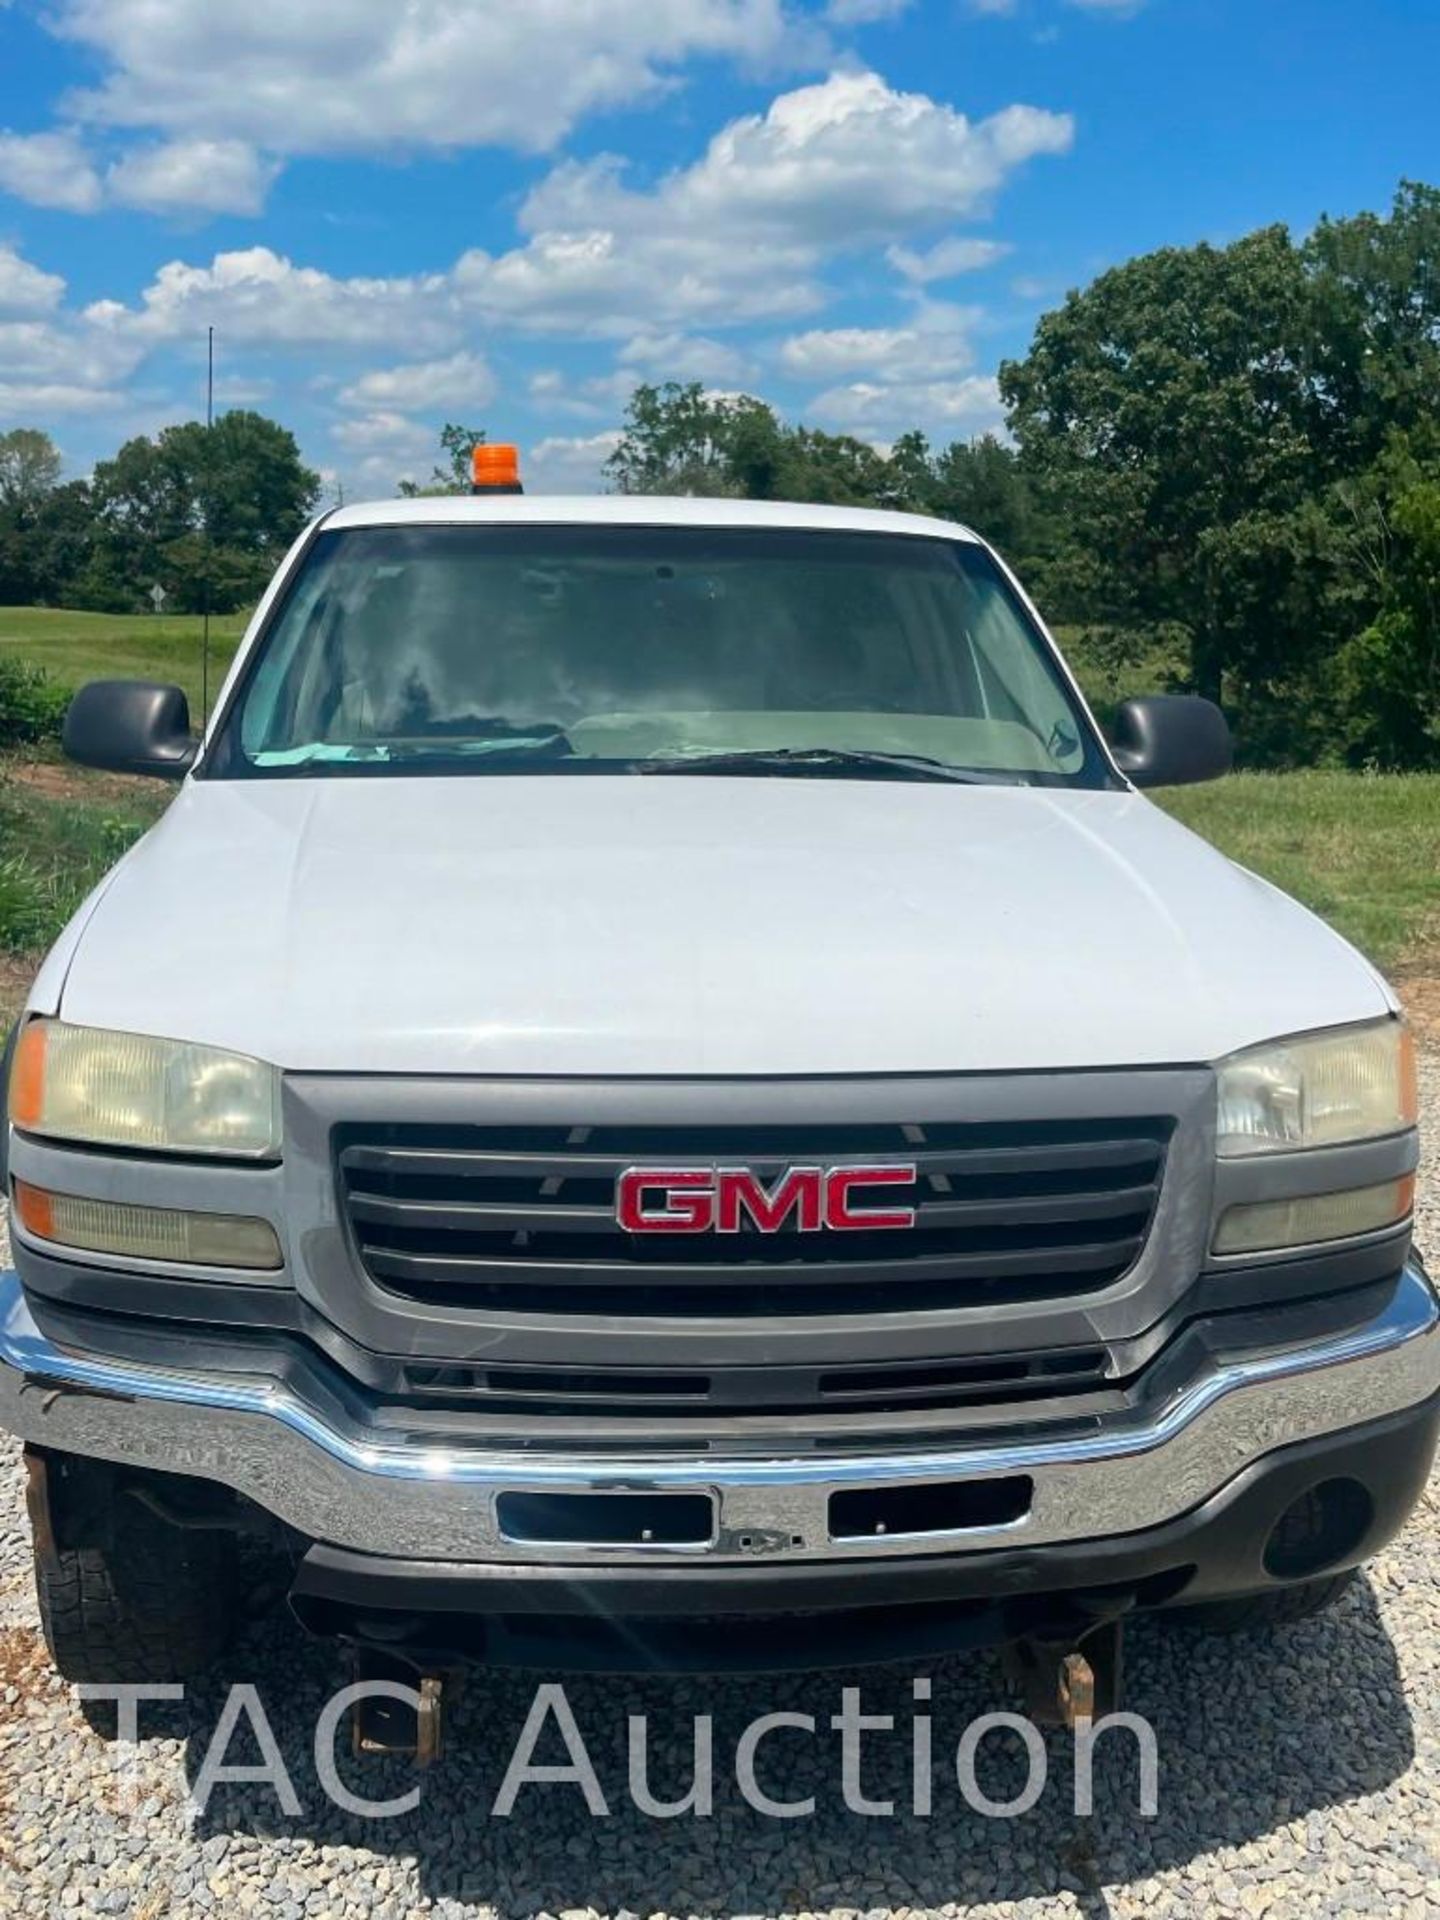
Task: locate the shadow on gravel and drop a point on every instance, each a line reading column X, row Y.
column 1254, row 1734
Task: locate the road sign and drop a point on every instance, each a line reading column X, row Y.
column 158, row 597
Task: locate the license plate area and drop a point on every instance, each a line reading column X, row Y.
column 607, row 1519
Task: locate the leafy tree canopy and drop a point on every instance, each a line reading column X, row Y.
column 29, row 469
column 453, row 473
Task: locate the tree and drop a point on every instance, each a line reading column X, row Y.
column 1174, row 415
column 29, row 475
column 197, row 509
column 1377, row 281
column 253, row 493
column 58, row 543
column 29, row 469
column 454, row 473
column 681, row 439
column 1384, row 683
column 982, row 484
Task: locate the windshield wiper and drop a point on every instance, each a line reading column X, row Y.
column 825, row 760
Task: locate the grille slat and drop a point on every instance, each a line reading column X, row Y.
column 446, row 1269
column 523, row 1220
column 480, row 1216
column 974, row 1162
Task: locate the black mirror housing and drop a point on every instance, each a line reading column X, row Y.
column 131, row 726
column 1172, row 740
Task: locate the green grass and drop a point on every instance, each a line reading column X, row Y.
column 1362, row 850
column 75, row 647
column 52, row 851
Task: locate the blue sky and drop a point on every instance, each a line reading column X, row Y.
column 507, row 212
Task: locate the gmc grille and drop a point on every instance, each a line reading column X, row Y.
column 523, row 1219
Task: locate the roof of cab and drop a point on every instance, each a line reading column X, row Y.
column 633, row 510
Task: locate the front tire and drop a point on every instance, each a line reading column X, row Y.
column 158, row 1603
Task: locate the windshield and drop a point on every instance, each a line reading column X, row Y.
column 554, row 649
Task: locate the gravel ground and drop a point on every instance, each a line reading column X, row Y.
column 1300, row 1774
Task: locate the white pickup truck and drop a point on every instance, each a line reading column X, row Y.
column 659, row 1096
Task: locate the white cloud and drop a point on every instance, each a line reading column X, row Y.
column 680, row 356
column 61, row 351
column 607, row 282
column 888, row 379
column 946, row 260
column 237, row 390
column 25, row 288
column 428, row 386
column 859, row 13
column 385, row 430
column 256, row 296
column 385, row 447
column 562, row 464
column 599, row 397
column 178, row 176
column 49, row 170
column 827, row 353
column 846, row 163
column 50, row 361
column 742, row 234
column 967, row 406
column 39, row 401
column 192, row 176
column 367, row 75
column 936, row 342
column 1004, row 8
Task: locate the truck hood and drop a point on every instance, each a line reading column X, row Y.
column 696, row 925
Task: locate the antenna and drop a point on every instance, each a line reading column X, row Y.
column 209, row 535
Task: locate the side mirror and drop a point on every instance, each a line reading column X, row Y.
column 131, row 726
column 1171, row 740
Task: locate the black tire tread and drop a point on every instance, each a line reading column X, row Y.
column 158, row 1605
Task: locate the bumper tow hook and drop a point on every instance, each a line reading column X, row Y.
column 1066, row 1681
column 407, row 1718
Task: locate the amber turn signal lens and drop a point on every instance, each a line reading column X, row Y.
column 147, row 1233
column 1266, row 1226
column 495, row 469
column 27, row 1076
column 35, row 1211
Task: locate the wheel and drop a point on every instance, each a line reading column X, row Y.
column 1280, row 1607
column 158, row 1603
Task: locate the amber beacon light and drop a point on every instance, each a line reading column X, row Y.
column 495, row 470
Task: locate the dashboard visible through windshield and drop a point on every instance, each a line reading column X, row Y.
column 571, row 649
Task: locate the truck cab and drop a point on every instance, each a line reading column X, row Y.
column 662, row 1096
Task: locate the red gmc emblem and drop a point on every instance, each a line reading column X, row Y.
column 734, row 1199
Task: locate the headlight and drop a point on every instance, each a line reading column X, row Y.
column 1319, row 1090
column 129, row 1090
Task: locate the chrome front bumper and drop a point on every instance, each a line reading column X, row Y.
column 341, row 1480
